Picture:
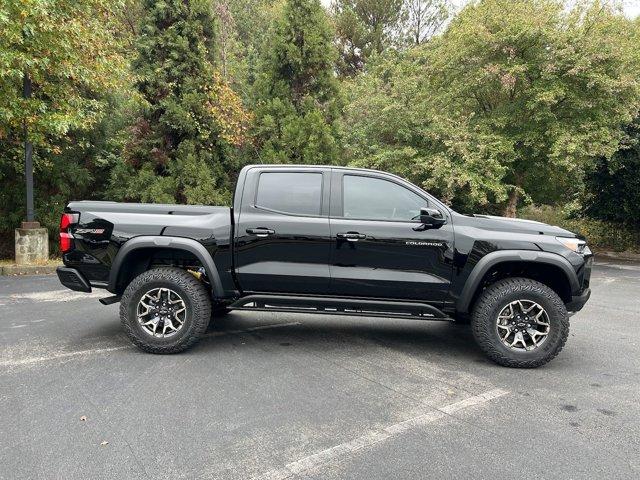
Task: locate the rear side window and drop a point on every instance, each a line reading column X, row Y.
column 298, row 193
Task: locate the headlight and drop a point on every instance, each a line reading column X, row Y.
column 573, row 244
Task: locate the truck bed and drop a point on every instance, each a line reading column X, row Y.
column 145, row 208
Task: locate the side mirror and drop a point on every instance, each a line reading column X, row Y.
column 431, row 218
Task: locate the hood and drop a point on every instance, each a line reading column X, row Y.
column 516, row 225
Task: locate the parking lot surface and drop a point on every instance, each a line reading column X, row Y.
column 271, row 395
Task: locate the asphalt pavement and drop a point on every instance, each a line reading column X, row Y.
column 272, row 395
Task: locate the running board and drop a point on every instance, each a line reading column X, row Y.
column 110, row 300
column 339, row 306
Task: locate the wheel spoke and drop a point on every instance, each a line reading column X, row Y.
column 161, row 312
column 168, row 324
column 518, row 338
column 538, row 318
column 536, row 333
column 522, row 325
column 153, row 321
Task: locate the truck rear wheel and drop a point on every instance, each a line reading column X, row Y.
column 165, row 310
column 518, row 322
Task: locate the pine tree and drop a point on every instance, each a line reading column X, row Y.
column 298, row 100
column 179, row 151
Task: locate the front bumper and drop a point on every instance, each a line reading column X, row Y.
column 73, row 279
column 578, row 301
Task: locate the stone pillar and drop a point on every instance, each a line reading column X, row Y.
column 32, row 244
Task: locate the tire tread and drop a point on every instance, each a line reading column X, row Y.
column 199, row 298
column 487, row 302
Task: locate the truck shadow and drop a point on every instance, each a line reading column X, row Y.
column 352, row 335
column 345, row 336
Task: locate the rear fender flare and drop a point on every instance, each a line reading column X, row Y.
column 177, row 243
column 494, row 258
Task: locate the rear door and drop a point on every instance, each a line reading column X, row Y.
column 282, row 231
column 378, row 246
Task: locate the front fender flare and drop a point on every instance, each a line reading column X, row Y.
column 177, row 243
column 501, row 256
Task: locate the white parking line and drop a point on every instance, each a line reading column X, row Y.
column 56, row 356
column 55, row 296
column 345, row 449
column 97, row 351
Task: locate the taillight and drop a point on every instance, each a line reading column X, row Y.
column 66, row 239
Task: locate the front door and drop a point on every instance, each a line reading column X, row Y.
column 282, row 231
column 379, row 247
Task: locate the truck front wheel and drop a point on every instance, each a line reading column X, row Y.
column 165, row 310
column 519, row 322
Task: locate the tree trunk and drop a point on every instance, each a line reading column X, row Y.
column 514, row 196
column 512, row 203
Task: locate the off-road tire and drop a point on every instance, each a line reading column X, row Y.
column 495, row 298
column 193, row 292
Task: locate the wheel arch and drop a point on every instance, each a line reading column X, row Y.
column 125, row 262
column 549, row 268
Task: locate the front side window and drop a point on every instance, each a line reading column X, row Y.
column 298, row 193
column 370, row 198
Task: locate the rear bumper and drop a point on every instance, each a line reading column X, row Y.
column 73, row 279
column 578, row 301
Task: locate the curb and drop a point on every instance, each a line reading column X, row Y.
column 626, row 256
column 7, row 270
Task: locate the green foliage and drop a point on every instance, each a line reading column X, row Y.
column 179, row 148
column 602, row 235
column 242, row 26
column 391, row 125
column 367, row 28
column 421, row 19
column 511, row 93
column 613, row 186
column 364, row 28
column 553, row 86
column 297, row 103
column 73, row 54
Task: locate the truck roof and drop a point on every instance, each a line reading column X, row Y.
column 288, row 165
column 334, row 167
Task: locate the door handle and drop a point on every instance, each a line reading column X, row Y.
column 260, row 231
column 351, row 236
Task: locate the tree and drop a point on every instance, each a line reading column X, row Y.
column 73, row 54
column 391, row 125
column 512, row 97
column 179, row 147
column 613, row 185
column 241, row 27
column 363, row 28
column 423, row 18
column 297, row 103
column 554, row 86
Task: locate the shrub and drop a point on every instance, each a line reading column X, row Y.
column 601, row 235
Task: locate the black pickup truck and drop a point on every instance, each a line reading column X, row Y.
column 329, row 240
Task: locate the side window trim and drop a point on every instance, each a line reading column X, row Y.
column 323, row 179
column 339, row 212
